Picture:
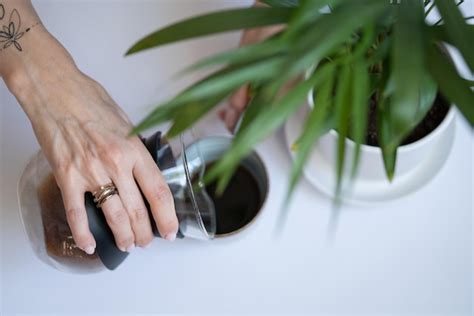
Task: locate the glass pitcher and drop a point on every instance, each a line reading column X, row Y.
column 44, row 219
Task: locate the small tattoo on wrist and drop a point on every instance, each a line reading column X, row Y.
column 10, row 30
column 2, row 11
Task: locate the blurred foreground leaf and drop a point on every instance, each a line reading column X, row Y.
column 212, row 23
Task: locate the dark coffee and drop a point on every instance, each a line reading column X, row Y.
column 57, row 234
column 238, row 204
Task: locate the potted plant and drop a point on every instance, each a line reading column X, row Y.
column 381, row 73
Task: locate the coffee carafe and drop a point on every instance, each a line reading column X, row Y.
column 182, row 162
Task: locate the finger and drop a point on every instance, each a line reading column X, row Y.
column 132, row 200
column 239, row 100
column 118, row 221
column 231, row 118
column 158, row 196
column 76, row 216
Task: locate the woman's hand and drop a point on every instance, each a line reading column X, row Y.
column 84, row 136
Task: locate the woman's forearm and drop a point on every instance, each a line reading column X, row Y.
column 29, row 54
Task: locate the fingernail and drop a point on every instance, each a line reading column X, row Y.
column 130, row 248
column 170, row 236
column 89, row 250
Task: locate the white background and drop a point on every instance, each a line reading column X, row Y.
column 410, row 256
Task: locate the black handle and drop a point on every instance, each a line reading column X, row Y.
column 106, row 248
column 108, row 252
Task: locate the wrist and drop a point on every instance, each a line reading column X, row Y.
column 43, row 62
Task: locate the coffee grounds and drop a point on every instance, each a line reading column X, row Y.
column 57, row 234
column 238, row 204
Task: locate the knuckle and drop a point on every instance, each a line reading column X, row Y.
column 112, row 155
column 139, row 214
column 163, row 194
column 118, row 217
column 89, row 158
column 74, row 216
column 63, row 165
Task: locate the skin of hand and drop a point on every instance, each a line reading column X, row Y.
column 232, row 111
column 84, row 135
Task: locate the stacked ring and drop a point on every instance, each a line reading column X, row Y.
column 103, row 193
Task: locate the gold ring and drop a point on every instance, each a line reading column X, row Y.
column 103, row 193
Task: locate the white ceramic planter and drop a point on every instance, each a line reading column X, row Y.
column 371, row 167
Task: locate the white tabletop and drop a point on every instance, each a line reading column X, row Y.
column 412, row 255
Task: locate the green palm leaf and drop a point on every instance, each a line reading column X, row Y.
column 360, row 110
column 212, row 23
column 440, row 34
column 191, row 113
column 314, row 127
column 254, row 72
column 263, row 97
column 221, row 82
column 281, row 3
column 386, row 135
column 453, row 87
column 407, row 68
column 244, row 54
column 457, row 29
column 343, row 111
column 307, row 12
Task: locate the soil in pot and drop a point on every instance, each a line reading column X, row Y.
column 433, row 119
